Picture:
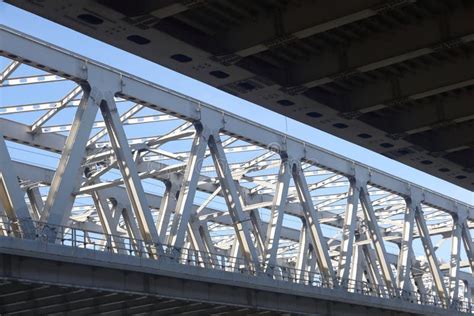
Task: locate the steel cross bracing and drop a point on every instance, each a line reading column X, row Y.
column 133, row 168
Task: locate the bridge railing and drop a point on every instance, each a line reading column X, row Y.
column 122, row 245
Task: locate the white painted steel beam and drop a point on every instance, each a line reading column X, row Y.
column 11, row 196
column 277, row 212
column 348, row 232
column 241, row 221
column 376, row 237
column 167, row 207
column 68, row 173
column 188, row 190
column 455, row 261
column 404, row 257
column 431, row 256
column 129, row 172
column 312, row 220
column 8, row 70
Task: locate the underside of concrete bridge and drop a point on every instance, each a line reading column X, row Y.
column 394, row 76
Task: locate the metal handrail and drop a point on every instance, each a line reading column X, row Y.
column 123, row 245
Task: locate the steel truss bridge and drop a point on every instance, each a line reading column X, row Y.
column 145, row 200
column 393, row 76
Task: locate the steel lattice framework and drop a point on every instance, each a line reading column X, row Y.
column 393, row 76
column 201, row 184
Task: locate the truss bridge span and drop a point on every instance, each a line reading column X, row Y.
column 118, row 194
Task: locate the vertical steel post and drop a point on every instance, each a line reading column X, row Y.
column 302, row 258
column 68, row 175
column 348, row 231
column 455, row 260
column 404, row 257
column 12, row 198
column 355, row 275
column 276, row 216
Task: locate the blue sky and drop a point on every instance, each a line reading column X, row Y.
column 81, row 44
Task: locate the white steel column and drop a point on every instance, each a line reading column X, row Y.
column 5, row 73
column 355, row 275
column 376, row 237
column 404, row 257
column 311, row 217
column 260, row 231
column 167, row 206
column 188, row 189
column 106, row 221
column 348, row 231
column 430, row 255
column 68, row 175
column 276, row 216
column 468, row 244
column 302, row 258
column 417, row 276
column 129, row 171
column 36, row 202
